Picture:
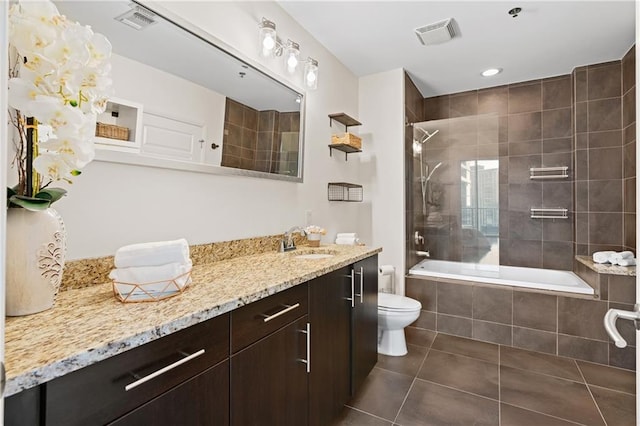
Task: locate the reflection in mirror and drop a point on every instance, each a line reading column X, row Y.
column 183, row 102
column 479, row 211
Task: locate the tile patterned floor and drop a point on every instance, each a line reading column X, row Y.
column 448, row 380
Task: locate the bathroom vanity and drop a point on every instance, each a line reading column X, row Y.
column 288, row 344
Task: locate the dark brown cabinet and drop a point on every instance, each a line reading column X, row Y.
column 329, row 315
column 364, row 321
column 102, row 392
column 269, row 379
column 293, row 358
column 201, row 400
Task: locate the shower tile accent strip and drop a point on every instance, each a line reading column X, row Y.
column 541, row 322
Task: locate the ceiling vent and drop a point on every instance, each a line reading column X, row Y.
column 436, row 33
column 138, row 17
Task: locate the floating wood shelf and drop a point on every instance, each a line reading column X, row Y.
column 343, row 119
column 347, row 149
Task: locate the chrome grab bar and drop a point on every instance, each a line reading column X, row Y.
column 610, row 323
column 287, row 308
column 163, row 370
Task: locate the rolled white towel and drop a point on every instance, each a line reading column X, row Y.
column 152, row 254
column 347, row 241
column 156, row 277
column 602, row 256
column 627, row 262
column 346, row 235
column 617, row 257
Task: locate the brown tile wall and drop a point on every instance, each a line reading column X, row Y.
column 542, row 322
column 586, row 121
column 604, row 102
column 240, row 136
column 252, row 139
column 523, row 125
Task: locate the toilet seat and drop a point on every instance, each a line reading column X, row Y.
column 396, row 303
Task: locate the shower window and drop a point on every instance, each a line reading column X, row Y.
column 479, row 211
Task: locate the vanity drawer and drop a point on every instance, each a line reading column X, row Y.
column 258, row 319
column 96, row 394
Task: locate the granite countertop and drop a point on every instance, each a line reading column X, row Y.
column 88, row 324
column 607, row 268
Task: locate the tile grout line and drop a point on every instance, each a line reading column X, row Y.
column 414, row 380
column 591, row 394
column 544, row 414
column 500, row 378
column 365, row 412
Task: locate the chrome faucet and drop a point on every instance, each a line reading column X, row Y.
column 287, row 243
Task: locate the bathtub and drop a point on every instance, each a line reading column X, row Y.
column 542, row 279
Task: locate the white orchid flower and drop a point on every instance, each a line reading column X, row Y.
column 29, row 99
column 76, row 152
column 63, row 82
column 52, row 166
column 58, row 116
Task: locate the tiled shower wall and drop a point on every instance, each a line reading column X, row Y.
column 535, row 128
column 605, row 156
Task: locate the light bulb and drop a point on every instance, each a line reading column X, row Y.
column 268, row 42
column 292, row 63
column 292, row 51
column 311, row 77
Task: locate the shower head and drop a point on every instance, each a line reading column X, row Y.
column 427, row 135
column 433, row 170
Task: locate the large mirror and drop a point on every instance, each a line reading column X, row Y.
column 183, row 100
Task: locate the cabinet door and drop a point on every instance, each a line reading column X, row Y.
column 364, row 321
column 329, row 315
column 202, row 400
column 269, row 381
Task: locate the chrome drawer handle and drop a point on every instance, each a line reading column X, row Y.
column 163, row 370
column 288, row 308
column 361, row 273
column 308, row 360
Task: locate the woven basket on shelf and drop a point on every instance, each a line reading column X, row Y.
column 112, row 131
column 347, row 139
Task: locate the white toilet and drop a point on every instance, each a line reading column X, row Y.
column 394, row 314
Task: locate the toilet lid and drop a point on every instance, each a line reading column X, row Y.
column 396, row 302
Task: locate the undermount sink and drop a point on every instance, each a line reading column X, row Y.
column 314, row 256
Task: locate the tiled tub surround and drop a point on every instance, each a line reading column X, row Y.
column 537, row 321
column 88, row 324
column 585, row 120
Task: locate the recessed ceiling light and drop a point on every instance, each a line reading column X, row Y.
column 491, row 71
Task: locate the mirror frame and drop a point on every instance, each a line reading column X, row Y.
column 138, row 159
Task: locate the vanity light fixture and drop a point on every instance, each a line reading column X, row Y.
column 270, row 45
column 268, row 37
column 491, row 72
column 311, row 73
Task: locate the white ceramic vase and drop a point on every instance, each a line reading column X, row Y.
column 36, row 248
